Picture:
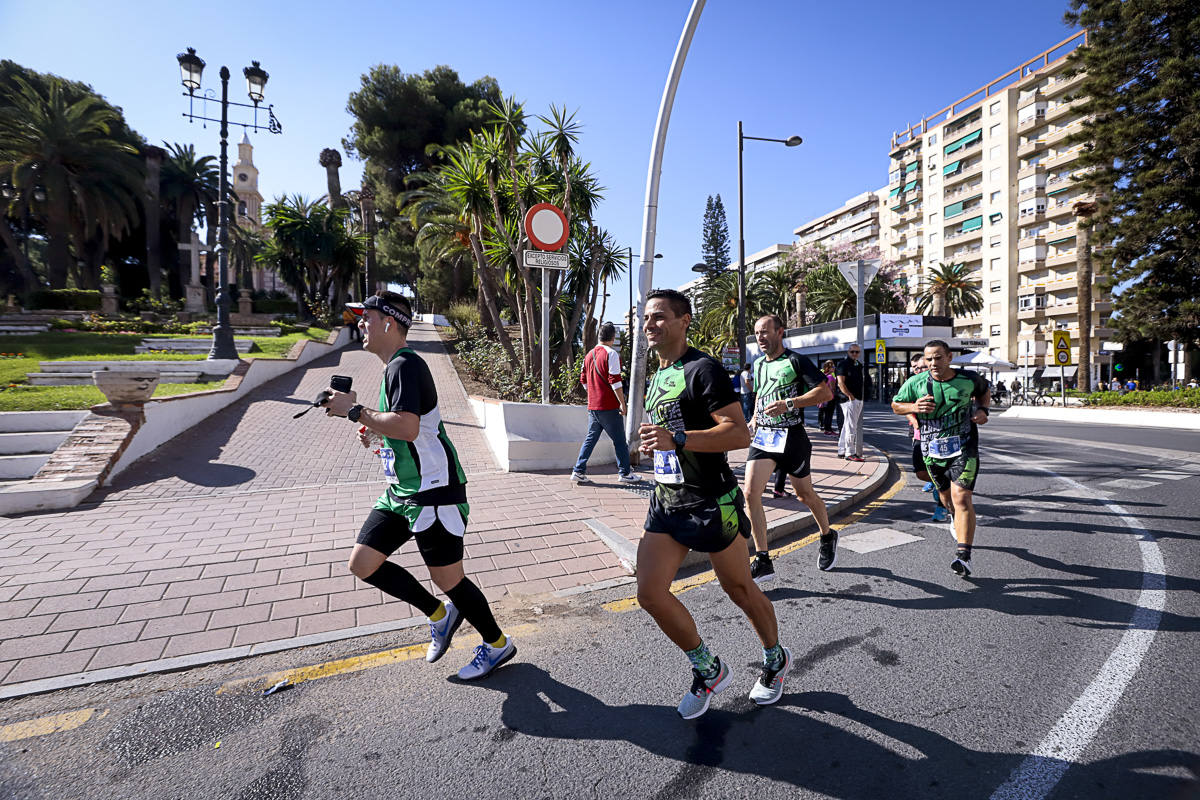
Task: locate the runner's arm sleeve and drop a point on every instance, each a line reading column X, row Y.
column 405, row 384
column 711, row 383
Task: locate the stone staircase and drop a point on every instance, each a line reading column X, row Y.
column 21, row 323
column 79, row 373
column 252, row 330
column 196, row 347
column 27, row 438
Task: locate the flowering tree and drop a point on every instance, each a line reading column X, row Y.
column 822, row 294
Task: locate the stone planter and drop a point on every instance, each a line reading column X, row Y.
column 126, row 387
column 108, row 299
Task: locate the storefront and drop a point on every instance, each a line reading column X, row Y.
column 903, row 335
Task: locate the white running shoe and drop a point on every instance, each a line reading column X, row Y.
column 769, row 687
column 441, row 632
column 695, row 702
column 486, row 659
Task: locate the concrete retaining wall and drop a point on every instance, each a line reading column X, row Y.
column 527, row 437
column 171, row 416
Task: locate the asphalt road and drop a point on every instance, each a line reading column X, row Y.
column 1070, row 643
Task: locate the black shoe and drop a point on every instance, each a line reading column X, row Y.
column 828, row 552
column 761, row 569
column 961, row 566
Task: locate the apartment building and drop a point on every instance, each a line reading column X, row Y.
column 987, row 182
column 764, row 260
column 855, row 222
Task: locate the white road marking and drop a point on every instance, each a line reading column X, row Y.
column 1042, row 769
column 1129, row 483
column 1167, row 475
column 876, row 539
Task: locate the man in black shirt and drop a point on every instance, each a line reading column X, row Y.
column 855, row 382
column 694, row 417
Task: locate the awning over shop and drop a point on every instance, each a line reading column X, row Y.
column 960, row 143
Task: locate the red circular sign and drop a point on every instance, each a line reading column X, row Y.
column 546, row 226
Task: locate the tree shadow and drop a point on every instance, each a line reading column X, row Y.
column 807, row 740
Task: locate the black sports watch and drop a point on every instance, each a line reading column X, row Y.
column 680, row 439
column 355, row 412
column 986, row 413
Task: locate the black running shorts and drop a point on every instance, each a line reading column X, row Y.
column 387, row 531
column 918, row 459
column 707, row 527
column 796, row 458
column 962, row 469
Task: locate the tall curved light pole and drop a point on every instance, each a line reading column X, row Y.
column 791, row 141
column 637, row 369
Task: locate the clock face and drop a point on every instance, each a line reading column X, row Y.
column 243, row 177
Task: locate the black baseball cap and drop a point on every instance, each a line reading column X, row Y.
column 383, row 307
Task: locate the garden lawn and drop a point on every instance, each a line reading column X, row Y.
column 21, row 355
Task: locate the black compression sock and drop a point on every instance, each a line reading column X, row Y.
column 964, row 552
column 395, row 580
column 472, row 604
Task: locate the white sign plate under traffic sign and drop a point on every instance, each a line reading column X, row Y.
column 541, row 260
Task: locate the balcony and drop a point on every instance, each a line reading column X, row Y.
column 1058, row 84
column 1062, row 158
column 1031, row 169
column 963, row 174
column 953, row 130
column 911, row 251
column 1029, row 98
column 1060, row 209
column 1102, row 306
column 970, row 187
column 1028, row 148
column 1030, row 289
column 1058, row 110
column 1061, row 259
column 964, row 236
column 1056, row 136
column 1033, row 265
column 1032, row 122
column 910, row 156
column 1063, row 309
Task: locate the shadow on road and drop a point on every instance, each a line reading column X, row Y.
column 804, row 741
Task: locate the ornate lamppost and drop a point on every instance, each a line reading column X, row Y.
column 191, row 67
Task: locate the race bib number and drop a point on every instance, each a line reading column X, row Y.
column 946, row 447
column 666, row 467
column 771, row 440
column 387, row 457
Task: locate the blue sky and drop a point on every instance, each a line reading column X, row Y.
column 841, row 75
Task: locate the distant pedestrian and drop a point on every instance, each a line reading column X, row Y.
column 350, row 320
column 606, row 405
column 854, row 381
column 1114, row 385
column 827, row 409
column 1192, row 384
column 1131, row 385
column 746, row 390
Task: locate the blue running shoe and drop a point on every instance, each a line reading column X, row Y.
column 928, row 487
column 940, row 514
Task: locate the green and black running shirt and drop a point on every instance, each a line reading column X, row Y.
column 789, row 374
column 682, row 397
column 426, row 471
column 947, row 430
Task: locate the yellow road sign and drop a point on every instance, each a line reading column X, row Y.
column 880, row 351
column 1062, row 348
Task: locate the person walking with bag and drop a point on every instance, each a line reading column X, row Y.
column 606, row 406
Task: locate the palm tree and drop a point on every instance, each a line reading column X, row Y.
column 719, row 300
column 1083, row 299
column 67, row 146
column 830, row 298
column 778, row 287
column 190, row 185
column 950, row 290
column 311, row 249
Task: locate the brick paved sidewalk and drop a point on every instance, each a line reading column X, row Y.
column 232, row 539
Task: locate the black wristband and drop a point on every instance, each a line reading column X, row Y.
column 354, row 413
column 986, row 413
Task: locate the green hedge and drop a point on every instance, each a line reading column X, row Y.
column 66, row 299
column 1179, row 398
column 275, row 306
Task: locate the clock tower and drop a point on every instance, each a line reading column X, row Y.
column 245, row 186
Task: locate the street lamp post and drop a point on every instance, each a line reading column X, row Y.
column 191, row 68
column 366, row 197
column 632, row 321
column 791, row 141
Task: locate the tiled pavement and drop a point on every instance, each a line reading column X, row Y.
column 236, row 534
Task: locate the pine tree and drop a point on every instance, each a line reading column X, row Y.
column 714, row 246
column 1142, row 66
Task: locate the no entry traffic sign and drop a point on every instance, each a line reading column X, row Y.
column 546, row 226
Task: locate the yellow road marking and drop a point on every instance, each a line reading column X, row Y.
column 54, row 723
column 353, row 664
column 687, row 584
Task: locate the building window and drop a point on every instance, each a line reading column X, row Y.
column 995, row 108
column 241, row 208
column 995, row 330
column 994, row 175
column 1025, row 303
column 994, row 130
column 933, row 138
column 994, row 153
column 995, row 241
column 932, row 217
column 995, row 263
column 995, row 198
column 995, row 286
